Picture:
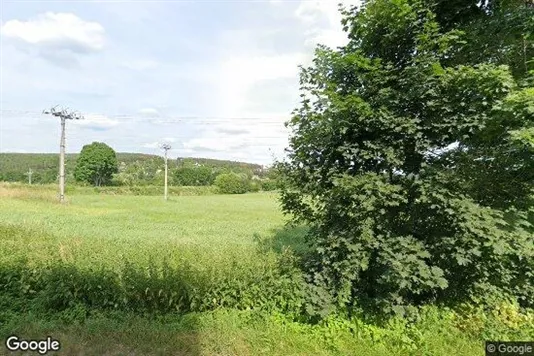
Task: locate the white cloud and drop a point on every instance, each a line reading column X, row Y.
column 241, row 135
column 238, row 75
column 149, row 112
column 57, row 31
column 258, row 83
column 96, row 122
column 141, row 64
column 157, row 144
column 324, row 21
column 245, row 73
column 208, row 144
column 232, row 130
column 151, row 145
column 265, row 67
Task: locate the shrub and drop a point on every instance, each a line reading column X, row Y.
column 232, row 183
column 269, row 185
column 193, row 176
column 255, row 186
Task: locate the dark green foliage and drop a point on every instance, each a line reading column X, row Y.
column 269, row 185
column 497, row 32
column 194, row 176
column 96, row 164
column 413, row 171
column 45, row 167
column 232, row 183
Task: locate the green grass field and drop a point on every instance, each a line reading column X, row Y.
column 101, row 274
column 139, row 227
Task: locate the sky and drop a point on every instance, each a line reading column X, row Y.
column 215, row 79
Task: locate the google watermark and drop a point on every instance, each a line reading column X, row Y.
column 42, row 347
column 508, row 348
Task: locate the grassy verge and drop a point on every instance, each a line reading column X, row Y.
column 230, row 332
column 436, row 331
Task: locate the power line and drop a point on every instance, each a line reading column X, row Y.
column 218, row 137
column 168, row 118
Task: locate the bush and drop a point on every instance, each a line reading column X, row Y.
column 255, row 186
column 268, row 185
column 194, row 176
column 232, row 183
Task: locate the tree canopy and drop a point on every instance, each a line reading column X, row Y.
column 96, row 164
column 194, row 176
column 412, row 156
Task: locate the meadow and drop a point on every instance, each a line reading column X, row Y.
column 195, row 275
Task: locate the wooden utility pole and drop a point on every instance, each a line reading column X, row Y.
column 63, row 115
column 166, row 147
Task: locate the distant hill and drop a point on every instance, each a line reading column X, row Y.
column 45, row 166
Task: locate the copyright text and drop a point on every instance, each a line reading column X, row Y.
column 502, row 348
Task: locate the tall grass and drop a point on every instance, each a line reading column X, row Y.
column 209, row 274
column 20, row 190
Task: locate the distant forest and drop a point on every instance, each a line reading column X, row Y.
column 14, row 167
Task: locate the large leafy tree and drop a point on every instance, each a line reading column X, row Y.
column 96, row 164
column 413, row 165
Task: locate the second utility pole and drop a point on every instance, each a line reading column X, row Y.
column 62, row 162
column 166, row 147
column 30, row 172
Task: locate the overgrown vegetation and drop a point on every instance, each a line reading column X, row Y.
column 124, row 264
column 413, row 164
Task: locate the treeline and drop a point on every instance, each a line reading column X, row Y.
column 136, row 169
column 14, row 167
column 232, row 177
